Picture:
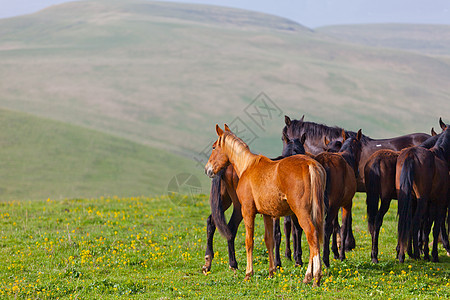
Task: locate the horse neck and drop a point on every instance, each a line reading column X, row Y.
column 240, row 157
column 350, row 158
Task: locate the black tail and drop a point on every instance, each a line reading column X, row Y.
column 373, row 190
column 405, row 199
column 215, row 201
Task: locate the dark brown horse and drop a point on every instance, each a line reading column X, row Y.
column 380, row 186
column 293, row 185
column 223, row 194
column 422, row 179
column 317, row 132
column 340, row 189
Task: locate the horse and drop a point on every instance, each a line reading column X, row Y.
column 317, row 132
column 422, row 179
column 379, row 177
column 341, row 169
column 223, row 194
column 316, row 144
column 293, row 185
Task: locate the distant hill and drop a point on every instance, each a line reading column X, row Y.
column 43, row 159
column 163, row 74
column 426, row 39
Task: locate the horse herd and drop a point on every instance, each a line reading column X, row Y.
column 319, row 172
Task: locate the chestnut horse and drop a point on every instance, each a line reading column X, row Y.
column 223, row 194
column 422, row 179
column 293, row 185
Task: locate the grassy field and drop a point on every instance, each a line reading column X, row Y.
column 153, row 248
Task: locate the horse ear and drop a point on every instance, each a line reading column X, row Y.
column 287, row 120
column 285, row 137
column 326, row 141
column 303, row 138
column 358, row 135
column 226, row 127
column 344, row 136
column 303, row 117
column 443, row 126
column 433, row 133
column 219, row 130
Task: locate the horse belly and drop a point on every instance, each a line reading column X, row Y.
column 274, row 204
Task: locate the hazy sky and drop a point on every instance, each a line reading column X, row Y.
column 311, row 13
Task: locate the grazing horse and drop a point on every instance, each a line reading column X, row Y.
column 293, row 185
column 223, row 194
column 341, row 169
column 422, row 179
column 317, row 132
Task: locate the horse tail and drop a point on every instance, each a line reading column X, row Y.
column 215, row 201
column 318, row 179
column 373, row 190
column 405, row 199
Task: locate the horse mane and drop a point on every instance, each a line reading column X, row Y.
column 238, row 151
column 316, row 130
column 430, row 142
column 443, row 143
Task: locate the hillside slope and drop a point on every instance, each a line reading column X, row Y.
column 43, row 159
column 426, row 39
column 163, row 74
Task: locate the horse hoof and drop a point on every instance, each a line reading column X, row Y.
column 375, row 260
column 308, row 278
column 247, row 276
column 206, row 270
column 448, row 253
column 299, row 264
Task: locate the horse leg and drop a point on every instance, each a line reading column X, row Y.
column 249, row 220
column 336, row 238
column 444, row 235
column 209, row 254
column 268, row 239
column 385, row 203
column 425, row 232
column 328, row 230
column 297, row 241
column 312, row 236
column 350, row 242
column 436, row 231
column 287, row 233
column 420, row 213
column 277, row 235
column 233, row 224
column 346, row 213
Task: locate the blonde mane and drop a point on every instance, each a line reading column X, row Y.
column 237, row 151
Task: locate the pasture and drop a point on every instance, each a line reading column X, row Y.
column 153, row 248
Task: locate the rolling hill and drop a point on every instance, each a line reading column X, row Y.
column 43, row 159
column 425, row 39
column 161, row 75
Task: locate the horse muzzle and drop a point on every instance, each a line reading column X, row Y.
column 209, row 171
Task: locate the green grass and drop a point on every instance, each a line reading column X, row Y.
column 153, row 248
column 48, row 159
